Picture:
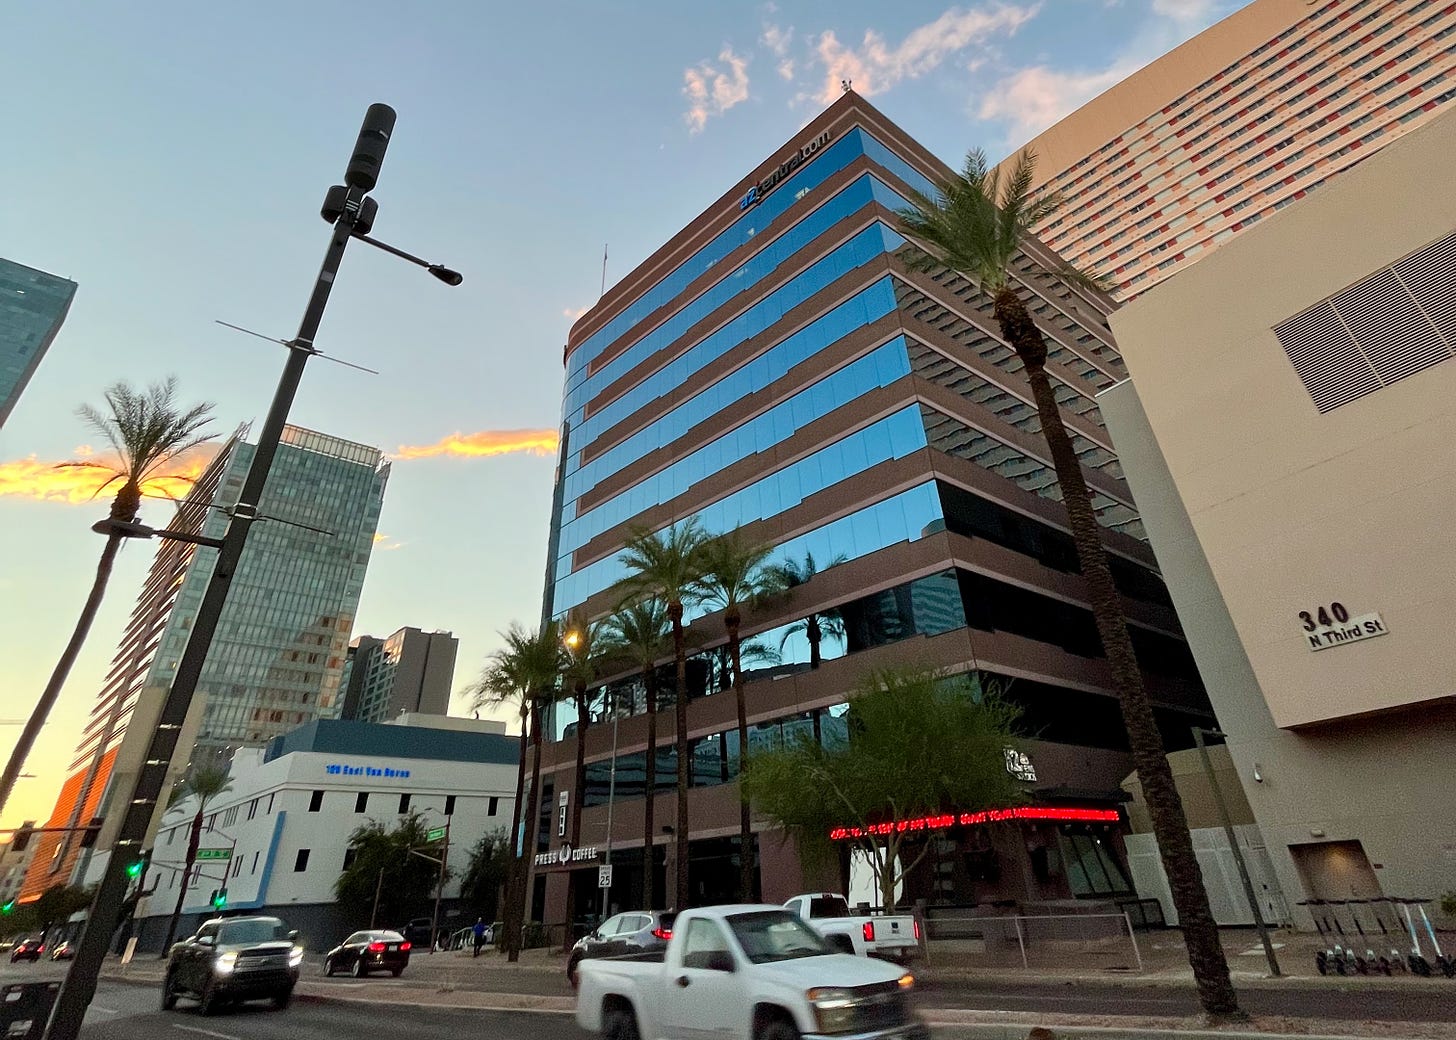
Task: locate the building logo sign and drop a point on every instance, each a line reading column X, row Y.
column 759, row 191
column 1018, row 764
column 566, row 855
column 1332, row 625
column 386, row 772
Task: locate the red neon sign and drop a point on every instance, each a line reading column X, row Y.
column 970, row 819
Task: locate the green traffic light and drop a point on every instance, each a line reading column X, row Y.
column 134, row 869
column 8, row 908
column 220, row 900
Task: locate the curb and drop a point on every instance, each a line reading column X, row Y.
column 1007, row 1031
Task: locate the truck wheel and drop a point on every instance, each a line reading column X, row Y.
column 283, row 998
column 573, row 976
column 840, row 943
column 210, row 1002
column 169, row 993
column 777, row 1029
column 620, row 1024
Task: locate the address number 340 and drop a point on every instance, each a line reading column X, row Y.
column 1325, row 617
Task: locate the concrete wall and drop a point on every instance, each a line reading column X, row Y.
column 1258, row 507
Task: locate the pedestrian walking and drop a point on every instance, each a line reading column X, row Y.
column 479, row 932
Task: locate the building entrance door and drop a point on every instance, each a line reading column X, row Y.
column 1336, row 870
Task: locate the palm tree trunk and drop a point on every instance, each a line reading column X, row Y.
column 815, row 634
column 193, row 841
column 516, row 876
column 732, row 620
column 649, row 860
column 680, row 837
column 533, row 827
column 58, row 677
column 1170, row 825
column 578, row 794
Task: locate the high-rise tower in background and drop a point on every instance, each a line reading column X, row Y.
column 411, row 671
column 1238, row 122
column 32, row 306
column 278, row 655
column 778, row 364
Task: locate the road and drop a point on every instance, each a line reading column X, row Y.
column 126, row 1012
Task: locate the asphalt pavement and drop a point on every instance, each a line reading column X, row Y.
column 122, row 1011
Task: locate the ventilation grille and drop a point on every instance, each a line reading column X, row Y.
column 1383, row 328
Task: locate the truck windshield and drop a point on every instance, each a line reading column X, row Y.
column 257, row 931
column 775, row 935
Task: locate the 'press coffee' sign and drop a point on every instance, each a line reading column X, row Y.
column 757, row 193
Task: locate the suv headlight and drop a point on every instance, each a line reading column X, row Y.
column 833, row 1009
column 225, row 962
column 295, row 956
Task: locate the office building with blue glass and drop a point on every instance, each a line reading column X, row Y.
column 779, row 365
column 33, row 305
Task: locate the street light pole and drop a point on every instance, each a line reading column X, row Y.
column 1228, row 828
column 343, row 208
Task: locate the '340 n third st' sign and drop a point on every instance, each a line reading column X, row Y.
column 757, row 193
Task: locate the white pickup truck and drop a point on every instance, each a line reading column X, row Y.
column 895, row 938
column 745, row 973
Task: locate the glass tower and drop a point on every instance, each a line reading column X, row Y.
column 32, row 306
column 779, row 365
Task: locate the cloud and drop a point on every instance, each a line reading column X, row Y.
column 712, row 90
column 484, row 443
column 1031, row 100
column 573, row 312
column 75, row 485
column 1183, row 10
column 778, row 41
column 876, row 66
column 386, row 543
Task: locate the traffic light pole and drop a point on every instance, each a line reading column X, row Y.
column 140, row 802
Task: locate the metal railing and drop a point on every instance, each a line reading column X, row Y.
column 1041, row 940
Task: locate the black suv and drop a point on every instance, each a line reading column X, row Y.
column 234, row 959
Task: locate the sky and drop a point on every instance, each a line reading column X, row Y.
column 171, row 158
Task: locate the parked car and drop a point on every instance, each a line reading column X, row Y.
column 64, row 952
column 364, row 952
column 27, row 950
column 418, row 932
column 231, row 960
column 748, row 973
column 632, row 932
column 888, row 936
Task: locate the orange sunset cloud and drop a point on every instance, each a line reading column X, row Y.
column 484, row 442
column 74, row 485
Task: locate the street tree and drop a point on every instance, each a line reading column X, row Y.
column 640, row 632
column 919, row 745
column 816, row 625
column 486, row 874
column 975, row 226
column 382, row 863
column 669, row 565
column 204, row 784
column 736, row 575
column 527, row 669
column 147, row 430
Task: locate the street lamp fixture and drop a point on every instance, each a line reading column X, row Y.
column 351, row 213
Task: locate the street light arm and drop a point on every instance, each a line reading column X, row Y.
column 445, row 275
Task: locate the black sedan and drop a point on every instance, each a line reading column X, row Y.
column 364, row 952
column 27, row 950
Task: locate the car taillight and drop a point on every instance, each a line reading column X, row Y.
column 662, row 933
column 869, row 931
column 917, row 929
column 406, row 946
column 376, row 947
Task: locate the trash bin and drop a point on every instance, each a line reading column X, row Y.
column 25, row 1007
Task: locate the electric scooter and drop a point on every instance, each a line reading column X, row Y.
column 1417, row 961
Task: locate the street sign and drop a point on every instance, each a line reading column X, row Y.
column 604, row 876
column 214, row 854
column 435, row 834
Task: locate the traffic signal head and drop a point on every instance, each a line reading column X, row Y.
column 219, row 899
column 8, row 908
column 134, row 870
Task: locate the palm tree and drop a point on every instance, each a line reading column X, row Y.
column 205, row 784
column 527, row 668
column 790, row 574
column 976, row 226
column 735, row 575
column 639, row 631
column 585, row 643
column 147, row 430
column 668, row 565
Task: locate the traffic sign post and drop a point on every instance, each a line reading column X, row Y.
column 604, row 876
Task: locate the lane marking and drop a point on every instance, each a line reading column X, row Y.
column 206, row 1032
column 106, row 1011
